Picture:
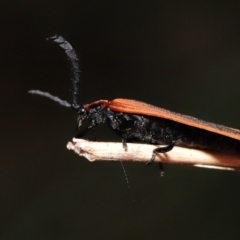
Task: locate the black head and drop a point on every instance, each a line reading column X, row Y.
column 94, row 113
column 72, row 56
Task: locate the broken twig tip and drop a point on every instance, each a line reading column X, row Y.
column 70, row 146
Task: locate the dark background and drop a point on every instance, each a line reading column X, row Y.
column 180, row 55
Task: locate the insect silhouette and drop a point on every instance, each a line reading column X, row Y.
column 137, row 121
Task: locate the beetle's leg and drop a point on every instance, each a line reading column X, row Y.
column 124, row 142
column 160, row 150
column 83, row 132
column 161, row 169
column 94, row 134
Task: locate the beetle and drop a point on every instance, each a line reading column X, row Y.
column 137, row 121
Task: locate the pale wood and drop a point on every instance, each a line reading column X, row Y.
column 137, row 152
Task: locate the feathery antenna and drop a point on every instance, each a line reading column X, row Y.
column 75, row 72
column 50, row 96
column 75, row 68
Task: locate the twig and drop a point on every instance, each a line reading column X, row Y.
column 109, row 151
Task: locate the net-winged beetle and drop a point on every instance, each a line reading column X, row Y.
column 137, row 121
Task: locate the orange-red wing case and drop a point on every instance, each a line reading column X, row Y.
column 137, row 107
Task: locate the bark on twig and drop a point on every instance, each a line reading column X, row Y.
column 138, row 152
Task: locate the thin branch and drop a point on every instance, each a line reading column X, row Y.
column 108, row 151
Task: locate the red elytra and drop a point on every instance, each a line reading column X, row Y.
column 141, row 108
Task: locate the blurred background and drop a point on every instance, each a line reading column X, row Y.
column 180, row 55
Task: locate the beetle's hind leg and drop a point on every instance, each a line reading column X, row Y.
column 160, row 150
column 161, row 169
